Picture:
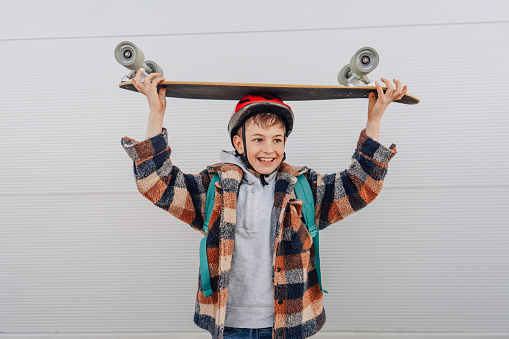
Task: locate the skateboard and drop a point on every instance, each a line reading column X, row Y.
column 353, row 79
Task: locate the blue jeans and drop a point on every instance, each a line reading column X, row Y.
column 245, row 333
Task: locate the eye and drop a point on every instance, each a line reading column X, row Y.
column 258, row 140
column 278, row 140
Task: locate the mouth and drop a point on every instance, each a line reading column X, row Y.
column 266, row 160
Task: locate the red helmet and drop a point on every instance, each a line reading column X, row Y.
column 252, row 104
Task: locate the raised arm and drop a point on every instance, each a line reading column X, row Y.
column 341, row 194
column 157, row 179
column 378, row 104
column 156, row 101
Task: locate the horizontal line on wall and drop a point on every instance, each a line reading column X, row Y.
column 260, row 31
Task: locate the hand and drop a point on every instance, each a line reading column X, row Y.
column 156, row 101
column 377, row 106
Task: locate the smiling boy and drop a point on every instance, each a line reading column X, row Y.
column 261, row 257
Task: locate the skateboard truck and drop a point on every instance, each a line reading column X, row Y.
column 363, row 62
column 131, row 57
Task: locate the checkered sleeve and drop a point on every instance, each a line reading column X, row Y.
column 341, row 194
column 165, row 185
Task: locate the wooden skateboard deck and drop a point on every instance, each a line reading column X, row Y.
column 235, row 91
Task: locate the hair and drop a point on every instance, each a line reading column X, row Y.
column 264, row 120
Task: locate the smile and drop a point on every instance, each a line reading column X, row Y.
column 266, row 160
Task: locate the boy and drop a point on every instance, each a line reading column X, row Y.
column 260, row 255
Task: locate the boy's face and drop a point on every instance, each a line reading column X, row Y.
column 265, row 146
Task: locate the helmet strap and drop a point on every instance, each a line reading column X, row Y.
column 243, row 156
column 262, row 179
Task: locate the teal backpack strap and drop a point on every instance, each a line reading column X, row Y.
column 304, row 193
column 204, row 265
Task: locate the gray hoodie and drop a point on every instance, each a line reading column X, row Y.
column 250, row 301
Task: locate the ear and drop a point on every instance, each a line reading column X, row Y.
column 239, row 145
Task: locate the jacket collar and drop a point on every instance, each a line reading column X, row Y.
column 285, row 180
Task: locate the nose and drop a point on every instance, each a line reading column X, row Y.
column 268, row 148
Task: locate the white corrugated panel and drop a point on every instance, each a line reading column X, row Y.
column 28, row 19
column 82, row 252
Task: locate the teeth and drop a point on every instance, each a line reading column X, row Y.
column 266, row 159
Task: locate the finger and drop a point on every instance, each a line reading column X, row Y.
column 157, row 81
column 372, row 100
column 135, row 84
column 380, row 92
column 398, row 86
column 397, row 91
column 403, row 92
column 149, row 77
column 162, row 96
column 135, row 80
column 138, row 75
column 390, row 88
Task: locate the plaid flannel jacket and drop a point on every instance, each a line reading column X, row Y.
column 298, row 305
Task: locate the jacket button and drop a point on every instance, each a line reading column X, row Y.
column 252, row 191
column 280, row 301
column 279, row 269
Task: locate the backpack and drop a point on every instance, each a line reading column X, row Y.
column 302, row 191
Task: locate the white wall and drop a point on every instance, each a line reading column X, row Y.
column 82, row 254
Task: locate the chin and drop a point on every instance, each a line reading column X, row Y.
column 265, row 172
column 265, row 169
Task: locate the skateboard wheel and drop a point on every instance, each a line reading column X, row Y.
column 364, row 61
column 344, row 74
column 129, row 56
column 152, row 67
